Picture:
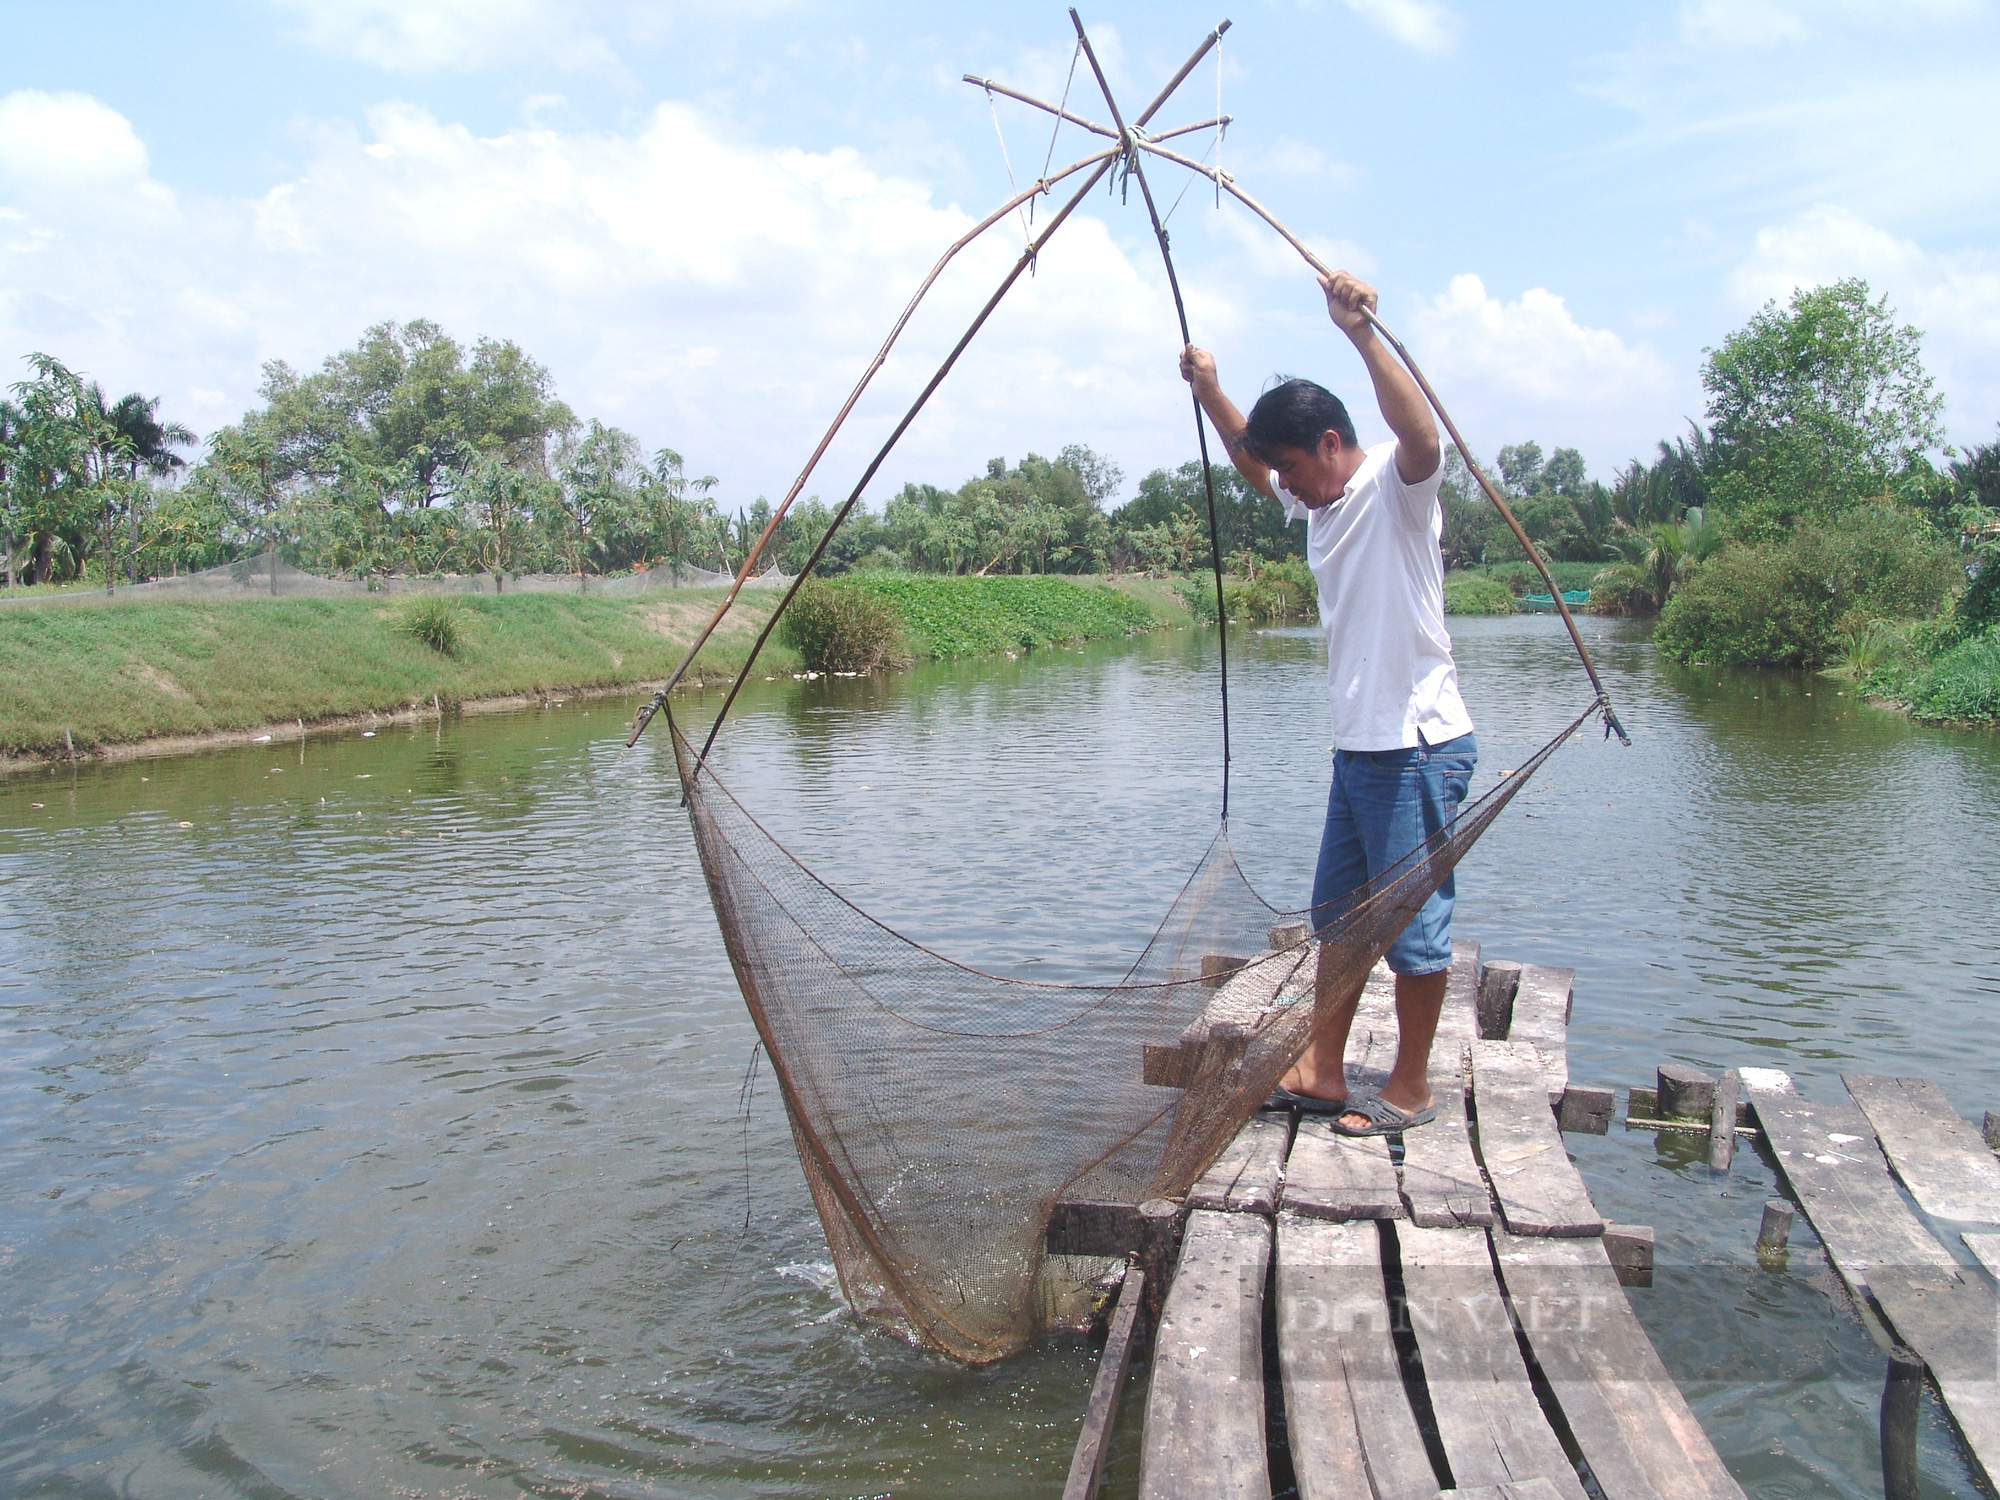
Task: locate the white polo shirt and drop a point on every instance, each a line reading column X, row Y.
column 1374, row 553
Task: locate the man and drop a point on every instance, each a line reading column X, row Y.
column 1403, row 744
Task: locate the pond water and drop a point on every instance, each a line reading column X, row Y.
column 376, row 1116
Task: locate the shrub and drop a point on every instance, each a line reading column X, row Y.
column 1622, row 589
column 1978, row 608
column 1467, row 594
column 837, row 627
column 1787, row 602
column 1197, row 592
column 438, row 623
column 1283, row 590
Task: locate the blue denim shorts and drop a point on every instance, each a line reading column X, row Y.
column 1383, row 804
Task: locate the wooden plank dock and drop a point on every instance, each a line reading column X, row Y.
column 1838, row 1171
column 1445, row 1311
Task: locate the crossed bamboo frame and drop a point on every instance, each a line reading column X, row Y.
column 1129, row 145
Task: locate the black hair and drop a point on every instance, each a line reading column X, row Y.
column 1292, row 414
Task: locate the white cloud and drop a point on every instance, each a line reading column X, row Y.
column 1954, row 297
column 462, row 36
column 701, row 291
column 1422, row 24
column 66, row 140
column 1288, row 156
column 1510, row 370
column 1733, row 24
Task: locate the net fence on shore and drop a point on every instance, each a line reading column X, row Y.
column 261, row 578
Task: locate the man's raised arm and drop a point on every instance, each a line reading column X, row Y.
column 1198, row 370
column 1418, row 452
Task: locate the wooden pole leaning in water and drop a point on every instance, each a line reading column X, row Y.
column 867, row 375
column 1223, row 180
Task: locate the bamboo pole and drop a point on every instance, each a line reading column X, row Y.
column 1103, row 165
column 1000, row 88
column 867, row 375
column 1200, row 429
column 1227, row 183
column 923, row 397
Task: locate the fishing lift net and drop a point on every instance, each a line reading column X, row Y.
column 940, row 1113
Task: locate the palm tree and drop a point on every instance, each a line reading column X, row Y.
column 146, row 443
column 12, row 422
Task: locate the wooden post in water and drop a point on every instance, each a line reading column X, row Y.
column 1902, row 1396
column 1159, row 1241
column 1722, row 1122
column 1776, row 1229
column 1993, row 1129
column 1498, row 983
column 1685, row 1093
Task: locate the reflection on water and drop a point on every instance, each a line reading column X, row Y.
column 386, row 1129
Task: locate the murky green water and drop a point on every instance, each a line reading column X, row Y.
column 373, row 1119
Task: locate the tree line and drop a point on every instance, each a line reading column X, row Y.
column 411, row 454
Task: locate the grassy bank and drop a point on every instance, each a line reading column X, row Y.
column 1957, row 683
column 118, row 673
column 124, row 672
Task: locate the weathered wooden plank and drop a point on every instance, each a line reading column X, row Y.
column 1629, row 1420
column 1642, row 1112
column 1205, row 1409
column 1541, row 1019
column 1986, row 1250
column 1535, row 1183
column 1248, row 990
column 1246, row 1177
column 1488, row 1419
column 1459, row 1020
column 1440, row 1178
column 1086, row 1465
column 1826, row 1153
column 1629, row 1248
column 1332, row 1176
column 1585, row 1110
column 1939, row 1157
column 1353, row 1433
column 1525, row 1489
column 1828, row 1156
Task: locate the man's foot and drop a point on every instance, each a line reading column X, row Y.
column 1389, row 1116
column 1298, row 1090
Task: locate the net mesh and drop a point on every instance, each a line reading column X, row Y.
column 940, row 1112
column 258, row 577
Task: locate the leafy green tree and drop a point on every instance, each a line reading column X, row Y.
column 1815, row 406
column 69, row 471
column 1245, row 520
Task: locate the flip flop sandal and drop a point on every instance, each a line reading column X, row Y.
column 1383, row 1117
column 1284, row 1098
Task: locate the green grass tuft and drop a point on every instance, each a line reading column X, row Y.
column 436, row 621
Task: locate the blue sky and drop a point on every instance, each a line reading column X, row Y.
column 704, row 220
